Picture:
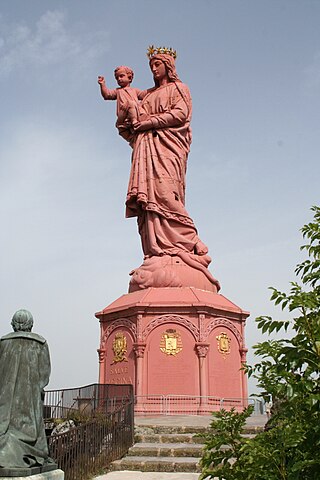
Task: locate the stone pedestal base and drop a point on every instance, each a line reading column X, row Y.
column 32, row 473
column 165, row 271
column 181, row 348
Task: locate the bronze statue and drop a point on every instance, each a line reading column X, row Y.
column 24, row 372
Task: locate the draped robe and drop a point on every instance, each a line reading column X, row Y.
column 24, row 372
column 156, row 191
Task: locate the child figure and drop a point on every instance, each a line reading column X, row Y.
column 127, row 100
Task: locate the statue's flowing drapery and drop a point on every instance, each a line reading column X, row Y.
column 156, row 191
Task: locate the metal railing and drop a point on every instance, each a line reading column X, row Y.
column 191, row 405
column 87, row 400
column 102, row 428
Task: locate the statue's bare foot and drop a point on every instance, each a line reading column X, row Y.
column 200, row 248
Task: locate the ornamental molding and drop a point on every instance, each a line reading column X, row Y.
column 182, row 321
column 101, row 354
column 224, row 322
column 102, row 344
column 120, row 323
column 202, row 319
column 202, row 350
column 139, row 328
column 139, row 350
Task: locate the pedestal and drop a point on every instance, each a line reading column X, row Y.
column 31, row 473
column 181, row 348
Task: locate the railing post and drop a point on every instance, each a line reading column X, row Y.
column 166, row 404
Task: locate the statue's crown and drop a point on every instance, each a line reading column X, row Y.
column 152, row 50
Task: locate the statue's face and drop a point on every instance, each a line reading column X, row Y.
column 158, row 69
column 123, row 78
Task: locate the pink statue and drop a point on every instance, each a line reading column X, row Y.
column 127, row 99
column 160, row 136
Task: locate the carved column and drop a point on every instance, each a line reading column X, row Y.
column 202, row 333
column 139, row 349
column 102, row 364
column 139, row 336
column 202, row 351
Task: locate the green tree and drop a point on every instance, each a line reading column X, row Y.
column 288, row 373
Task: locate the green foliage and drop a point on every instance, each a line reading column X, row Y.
column 223, row 443
column 289, row 374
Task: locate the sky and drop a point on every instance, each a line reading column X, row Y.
column 253, row 68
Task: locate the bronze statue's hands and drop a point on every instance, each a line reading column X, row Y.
column 101, row 80
column 142, row 126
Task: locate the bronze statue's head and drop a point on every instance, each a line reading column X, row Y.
column 22, row 321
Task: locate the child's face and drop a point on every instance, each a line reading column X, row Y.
column 123, row 78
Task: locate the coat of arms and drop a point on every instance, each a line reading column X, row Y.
column 171, row 343
column 224, row 343
column 119, row 347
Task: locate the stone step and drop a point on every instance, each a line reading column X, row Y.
column 138, row 475
column 188, row 430
column 166, row 449
column 171, row 429
column 157, row 464
column 168, row 438
column 176, row 438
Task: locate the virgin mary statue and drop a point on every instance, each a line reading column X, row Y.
column 161, row 138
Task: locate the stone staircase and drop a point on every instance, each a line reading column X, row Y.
column 163, row 449
column 169, row 448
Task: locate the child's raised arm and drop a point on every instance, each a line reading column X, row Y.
column 106, row 92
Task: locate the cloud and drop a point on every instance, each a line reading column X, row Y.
column 50, row 42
